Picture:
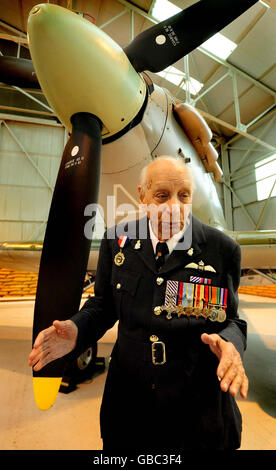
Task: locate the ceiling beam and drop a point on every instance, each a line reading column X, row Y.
column 237, row 130
column 17, row 39
column 13, row 29
column 240, row 72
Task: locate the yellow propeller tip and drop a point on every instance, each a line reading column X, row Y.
column 45, row 391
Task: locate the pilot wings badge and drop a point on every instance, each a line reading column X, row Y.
column 200, row 266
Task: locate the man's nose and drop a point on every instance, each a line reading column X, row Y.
column 173, row 204
column 173, row 210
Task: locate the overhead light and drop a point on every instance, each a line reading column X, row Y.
column 265, row 173
column 219, row 45
column 264, row 4
column 162, row 9
column 175, row 76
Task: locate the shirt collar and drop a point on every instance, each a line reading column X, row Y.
column 172, row 242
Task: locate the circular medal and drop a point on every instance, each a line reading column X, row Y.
column 221, row 315
column 119, row 258
column 213, row 314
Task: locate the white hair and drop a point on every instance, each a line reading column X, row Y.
column 177, row 162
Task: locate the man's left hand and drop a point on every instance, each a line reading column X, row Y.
column 230, row 370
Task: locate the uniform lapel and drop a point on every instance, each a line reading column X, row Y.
column 179, row 257
column 145, row 252
column 147, row 255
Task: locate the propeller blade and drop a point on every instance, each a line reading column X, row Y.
column 66, row 249
column 18, row 71
column 167, row 42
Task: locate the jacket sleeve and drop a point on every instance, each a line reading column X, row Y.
column 236, row 329
column 98, row 314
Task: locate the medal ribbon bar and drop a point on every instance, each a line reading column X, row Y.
column 183, row 298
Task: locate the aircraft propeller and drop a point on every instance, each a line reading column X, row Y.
column 63, row 266
column 168, row 41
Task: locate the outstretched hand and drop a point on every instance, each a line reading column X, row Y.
column 230, row 370
column 53, row 343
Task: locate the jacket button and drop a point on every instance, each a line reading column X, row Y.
column 154, row 338
column 118, row 286
column 159, row 281
column 157, row 310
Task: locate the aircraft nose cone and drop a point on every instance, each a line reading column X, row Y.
column 81, row 69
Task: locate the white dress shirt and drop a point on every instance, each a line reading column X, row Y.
column 172, row 242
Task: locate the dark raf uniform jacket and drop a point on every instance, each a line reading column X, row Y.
column 177, row 405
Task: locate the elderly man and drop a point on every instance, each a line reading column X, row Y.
column 176, row 366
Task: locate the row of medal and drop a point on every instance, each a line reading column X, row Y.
column 199, row 300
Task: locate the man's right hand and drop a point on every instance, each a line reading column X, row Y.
column 53, row 343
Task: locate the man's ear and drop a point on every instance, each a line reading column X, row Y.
column 140, row 194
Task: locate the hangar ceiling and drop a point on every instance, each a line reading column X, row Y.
column 235, row 92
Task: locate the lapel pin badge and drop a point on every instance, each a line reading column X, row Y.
column 137, row 245
column 190, row 252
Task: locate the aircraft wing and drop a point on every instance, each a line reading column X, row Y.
column 258, row 252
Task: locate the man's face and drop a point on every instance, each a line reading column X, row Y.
column 168, row 197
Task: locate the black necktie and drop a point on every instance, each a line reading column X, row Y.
column 161, row 250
